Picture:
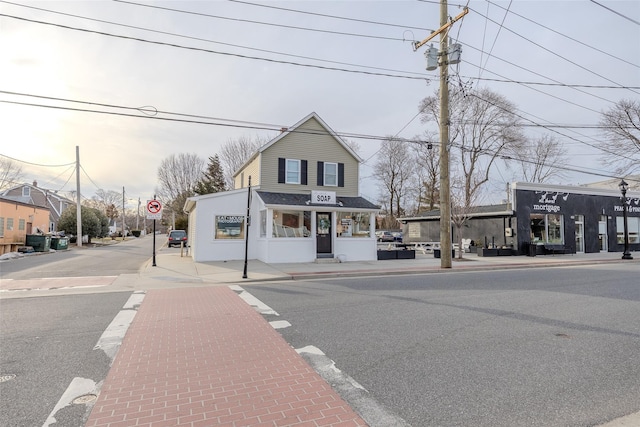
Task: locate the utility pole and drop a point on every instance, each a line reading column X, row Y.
column 445, row 188
column 78, row 208
column 123, row 231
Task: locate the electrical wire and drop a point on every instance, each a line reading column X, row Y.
column 213, row 51
column 616, row 12
column 36, row 164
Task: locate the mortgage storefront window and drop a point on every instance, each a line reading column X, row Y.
column 633, row 227
column 547, row 228
column 353, row 224
column 229, row 226
column 291, row 223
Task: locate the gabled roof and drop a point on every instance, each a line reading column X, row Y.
column 289, row 199
column 293, row 129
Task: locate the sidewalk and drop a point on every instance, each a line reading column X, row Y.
column 196, row 354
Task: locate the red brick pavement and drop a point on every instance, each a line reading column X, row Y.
column 203, row 357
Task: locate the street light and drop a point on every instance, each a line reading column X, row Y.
column 623, row 189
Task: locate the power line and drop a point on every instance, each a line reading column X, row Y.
column 215, row 52
column 210, row 41
column 292, row 27
column 36, row 164
column 616, row 12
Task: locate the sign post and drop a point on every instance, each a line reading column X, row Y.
column 154, row 211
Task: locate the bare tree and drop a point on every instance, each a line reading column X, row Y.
column 394, row 169
column 621, row 125
column 482, row 128
column 235, row 152
column 461, row 209
column 427, row 172
column 102, row 199
column 540, row 159
column 178, row 175
column 10, row 172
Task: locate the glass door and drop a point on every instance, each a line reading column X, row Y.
column 602, row 234
column 579, row 233
column 323, row 234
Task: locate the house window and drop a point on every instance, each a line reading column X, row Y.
column 633, row 227
column 1, row 226
column 293, row 172
column 331, row 174
column 291, row 223
column 21, row 224
column 353, row 224
column 547, row 228
column 26, row 192
column 9, row 224
column 229, row 227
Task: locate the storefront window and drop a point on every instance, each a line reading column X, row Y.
column 291, row 223
column 229, row 227
column 633, row 227
column 263, row 223
column 547, row 228
column 353, row 224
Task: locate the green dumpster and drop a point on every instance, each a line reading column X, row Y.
column 60, row 243
column 38, row 242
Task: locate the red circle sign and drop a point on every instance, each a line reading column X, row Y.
column 154, row 206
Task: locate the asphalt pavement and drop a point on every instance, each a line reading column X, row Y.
column 197, row 354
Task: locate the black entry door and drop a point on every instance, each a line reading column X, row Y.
column 323, row 233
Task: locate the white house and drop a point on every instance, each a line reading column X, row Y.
column 298, row 195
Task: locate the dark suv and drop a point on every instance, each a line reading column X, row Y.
column 176, row 237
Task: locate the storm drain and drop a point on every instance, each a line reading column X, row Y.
column 562, row 336
column 7, row 377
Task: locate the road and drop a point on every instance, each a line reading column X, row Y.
column 48, row 341
column 534, row 347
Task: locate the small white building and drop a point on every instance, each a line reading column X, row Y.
column 303, row 204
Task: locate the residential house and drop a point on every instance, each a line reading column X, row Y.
column 32, row 194
column 17, row 219
column 298, row 199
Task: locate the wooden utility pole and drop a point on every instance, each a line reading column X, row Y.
column 445, row 191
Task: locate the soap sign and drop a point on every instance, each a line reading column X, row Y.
column 323, row 197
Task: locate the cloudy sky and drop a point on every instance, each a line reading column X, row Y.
column 219, row 70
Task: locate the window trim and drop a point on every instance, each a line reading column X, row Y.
column 287, row 171
column 326, row 174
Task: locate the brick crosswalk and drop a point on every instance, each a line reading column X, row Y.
column 203, row 357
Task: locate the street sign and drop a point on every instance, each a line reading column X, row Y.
column 154, row 209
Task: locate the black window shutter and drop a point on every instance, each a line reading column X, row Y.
column 303, row 172
column 281, row 170
column 340, row 174
column 320, row 173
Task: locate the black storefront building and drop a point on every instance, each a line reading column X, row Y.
column 544, row 218
column 573, row 219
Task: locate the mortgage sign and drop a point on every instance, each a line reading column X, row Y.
column 154, row 209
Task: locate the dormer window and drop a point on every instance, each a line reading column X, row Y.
column 26, row 191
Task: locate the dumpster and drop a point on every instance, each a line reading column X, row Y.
column 60, row 243
column 38, row 242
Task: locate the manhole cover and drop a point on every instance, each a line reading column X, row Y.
column 6, row 377
column 84, row 399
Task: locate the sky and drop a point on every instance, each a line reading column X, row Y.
column 220, row 70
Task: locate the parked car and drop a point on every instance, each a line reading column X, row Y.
column 176, row 237
column 397, row 236
column 385, row 236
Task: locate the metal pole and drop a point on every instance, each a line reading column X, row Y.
column 153, row 264
column 78, row 207
column 626, row 254
column 445, row 195
column 246, row 234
